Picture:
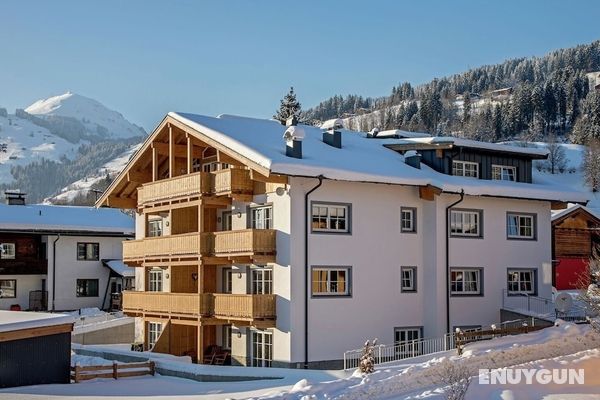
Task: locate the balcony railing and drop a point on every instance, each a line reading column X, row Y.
column 191, row 304
column 180, row 186
column 174, row 245
column 243, row 307
column 243, row 241
column 229, row 181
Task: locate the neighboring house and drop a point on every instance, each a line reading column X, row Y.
column 575, row 233
column 288, row 245
column 35, row 348
column 39, row 242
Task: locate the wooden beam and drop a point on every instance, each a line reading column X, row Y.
column 139, row 176
column 121, row 202
column 154, row 164
column 558, row 205
column 180, row 150
column 171, row 153
column 429, row 192
column 35, row 332
column 190, row 159
column 273, row 178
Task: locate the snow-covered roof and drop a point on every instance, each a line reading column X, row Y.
column 17, row 320
column 474, row 144
column 119, row 267
column 50, row 218
column 360, row 159
column 402, row 134
column 558, row 214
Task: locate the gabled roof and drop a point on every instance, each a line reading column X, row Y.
column 259, row 144
column 61, row 219
column 571, row 210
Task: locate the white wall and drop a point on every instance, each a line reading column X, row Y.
column 25, row 284
column 69, row 269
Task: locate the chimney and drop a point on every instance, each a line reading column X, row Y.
column 331, row 135
column 413, row 159
column 373, row 133
column 15, row 197
column 293, row 137
column 292, row 120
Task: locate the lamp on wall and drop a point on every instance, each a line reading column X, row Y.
column 239, row 214
column 239, row 334
column 194, row 276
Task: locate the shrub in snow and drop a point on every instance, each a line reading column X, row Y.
column 367, row 360
column 456, row 378
column 590, row 293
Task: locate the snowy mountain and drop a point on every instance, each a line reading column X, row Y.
column 95, row 117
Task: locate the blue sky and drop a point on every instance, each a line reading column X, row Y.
column 145, row 58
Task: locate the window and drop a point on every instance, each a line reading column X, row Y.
column 407, row 341
column 465, row 281
column 520, row 226
column 504, row 173
column 262, row 281
column 407, row 219
column 262, row 348
column 155, row 227
column 409, row 279
column 8, row 288
column 465, row 168
column 261, row 217
column 465, row 223
column 330, row 218
column 7, row 251
column 88, row 251
column 330, row 281
column 154, row 331
column 227, row 280
column 155, row 280
column 521, row 281
column 226, row 337
column 226, row 223
column 87, row 288
column 214, row 166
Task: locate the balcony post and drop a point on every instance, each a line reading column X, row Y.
column 154, row 164
column 200, row 344
column 171, row 153
column 189, row 153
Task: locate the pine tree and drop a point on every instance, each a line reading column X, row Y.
column 289, row 106
column 591, row 164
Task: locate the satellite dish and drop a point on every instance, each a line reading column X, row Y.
column 563, row 302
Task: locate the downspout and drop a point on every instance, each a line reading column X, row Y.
column 54, row 272
column 306, row 269
column 462, row 196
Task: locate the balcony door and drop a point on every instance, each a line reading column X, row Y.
column 261, row 280
column 262, row 348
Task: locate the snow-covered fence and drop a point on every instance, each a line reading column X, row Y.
column 81, row 373
column 400, row 351
column 539, row 306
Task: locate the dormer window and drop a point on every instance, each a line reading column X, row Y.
column 467, row 169
column 504, row 173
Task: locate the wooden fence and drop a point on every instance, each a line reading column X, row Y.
column 115, row 371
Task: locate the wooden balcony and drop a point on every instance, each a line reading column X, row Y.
column 164, row 303
column 233, row 182
column 256, row 310
column 185, row 245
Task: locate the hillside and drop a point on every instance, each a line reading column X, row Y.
column 60, row 140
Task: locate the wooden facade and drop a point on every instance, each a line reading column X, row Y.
column 184, row 177
column 30, row 255
column 575, row 233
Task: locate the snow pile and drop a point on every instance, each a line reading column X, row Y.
column 96, row 118
column 401, row 379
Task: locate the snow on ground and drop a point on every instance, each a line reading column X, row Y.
column 83, row 185
column 27, row 142
column 565, row 346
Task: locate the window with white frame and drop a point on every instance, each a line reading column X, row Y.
column 262, row 281
column 465, row 281
column 262, row 348
column 8, row 288
column 155, row 280
column 520, row 226
column 226, row 337
column 407, row 219
column 465, row 168
column 214, row 166
column 330, row 218
column 408, row 279
column 330, row 281
column 465, row 223
column 504, row 173
column 154, row 331
column 261, row 217
column 521, row 281
column 7, row 251
column 407, row 341
column 155, row 226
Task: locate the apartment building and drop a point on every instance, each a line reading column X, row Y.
column 58, row 257
column 274, row 245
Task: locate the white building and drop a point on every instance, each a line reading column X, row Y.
column 57, row 257
column 388, row 238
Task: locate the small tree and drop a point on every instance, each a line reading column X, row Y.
column 557, row 159
column 590, row 290
column 456, row 378
column 289, row 106
column 591, row 164
column 367, row 360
